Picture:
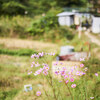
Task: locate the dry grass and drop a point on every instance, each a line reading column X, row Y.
column 29, row 44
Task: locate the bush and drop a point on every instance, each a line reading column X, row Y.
column 73, row 26
column 65, row 32
column 43, row 25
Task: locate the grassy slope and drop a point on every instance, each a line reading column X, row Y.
column 12, row 43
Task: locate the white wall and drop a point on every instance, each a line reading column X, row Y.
column 61, row 20
column 68, row 22
column 96, row 25
column 65, row 20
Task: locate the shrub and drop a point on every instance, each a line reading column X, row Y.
column 45, row 24
column 65, row 32
column 73, row 26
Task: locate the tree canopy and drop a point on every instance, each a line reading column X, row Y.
column 14, row 7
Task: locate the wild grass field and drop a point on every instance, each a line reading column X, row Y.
column 30, row 39
column 14, row 67
column 14, row 64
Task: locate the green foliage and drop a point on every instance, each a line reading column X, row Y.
column 8, row 95
column 33, row 7
column 65, row 32
column 13, row 7
column 73, row 26
column 14, row 26
column 93, row 64
column 4, row 30
column 16, row 7
column 48, row 28
column 71, row 3
column 43, row 28
column 45, row 24
column 95, row 5
column 21, row 52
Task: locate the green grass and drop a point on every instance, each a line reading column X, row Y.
column 8, row 95
column 13, row 74
column 21, row 52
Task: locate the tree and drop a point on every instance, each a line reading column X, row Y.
column 70, row 3
column 14, row 7
column 95, row 9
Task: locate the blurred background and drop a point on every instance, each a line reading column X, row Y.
column 32, row 26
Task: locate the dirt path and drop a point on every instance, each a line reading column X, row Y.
column 92, row 38
column 29, row 44
column 95, row 40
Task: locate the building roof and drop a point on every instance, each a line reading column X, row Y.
column 66, row 14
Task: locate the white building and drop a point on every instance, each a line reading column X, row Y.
column 70, row 18
column 66, row 18
column 96, row 25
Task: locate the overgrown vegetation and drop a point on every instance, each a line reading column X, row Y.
column 33, row 7
column 12, row 75
column 45, row 28
column 82, row 90
column 44, row 24
column 36, row 19
column 48, row 28
column 16, row 77
column 14, row 26
column 93, row 64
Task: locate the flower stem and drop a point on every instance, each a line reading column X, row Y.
column 68, row 89
column 70, row 92
column 53, row 87
column 50, row 83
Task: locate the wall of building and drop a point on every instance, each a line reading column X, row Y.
column 65, row 20
column 96, row 25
